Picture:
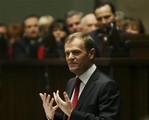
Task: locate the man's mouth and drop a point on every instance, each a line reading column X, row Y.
column 70, row 64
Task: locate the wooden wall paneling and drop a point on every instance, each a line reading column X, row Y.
column 20, row 93
column 122, row 76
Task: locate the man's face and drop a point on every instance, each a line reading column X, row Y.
column 77, row 58
column 104, row 16
column 31, row 29
column 89, row 23
column 3, row 30
column 73, row 23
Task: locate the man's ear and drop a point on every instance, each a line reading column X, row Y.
column 91, row 53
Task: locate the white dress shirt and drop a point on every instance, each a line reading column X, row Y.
column 84, row 79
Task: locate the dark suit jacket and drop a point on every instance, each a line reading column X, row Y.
column 99, row 100
column 101, row 51
column 25, row 49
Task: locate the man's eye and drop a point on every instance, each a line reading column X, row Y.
column 28, row 26
column 76, row 52
column 108, row 16
column 99, row 19
column 104, row 17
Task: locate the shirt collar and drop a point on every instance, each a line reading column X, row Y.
column 87, row 74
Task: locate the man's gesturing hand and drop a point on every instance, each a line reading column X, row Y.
column 48, row 105
column 65, row 106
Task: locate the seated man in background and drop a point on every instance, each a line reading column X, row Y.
column 73, row 19
column 108, row 32
column 28, row 46
column 88, row 23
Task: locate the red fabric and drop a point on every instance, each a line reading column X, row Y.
column 40, row 53
column 10, row 52
column 76, row 92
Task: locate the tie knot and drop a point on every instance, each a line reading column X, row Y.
column 77, row 82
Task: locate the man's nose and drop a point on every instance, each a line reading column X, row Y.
column 74, row 26
column 104, row 21
column 71, row 56
column 93, row 27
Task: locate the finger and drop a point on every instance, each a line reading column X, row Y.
column 47, row 100
column 66, row 96
column 42, row 96
column 51, row 102
column 55, row 107
column 55, row 98
column 57, row 92
column 58, row 97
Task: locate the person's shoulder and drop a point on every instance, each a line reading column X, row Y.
column 20, row 43
column 104, row 78
column 94, row 33
column 97, row 34
column 72, row 79
column 70, row 82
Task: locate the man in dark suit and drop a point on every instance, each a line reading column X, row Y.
column 107, row 36
column 28, row 46
column 73, row 19
column 99, row 96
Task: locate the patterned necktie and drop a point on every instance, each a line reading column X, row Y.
column 76, row 92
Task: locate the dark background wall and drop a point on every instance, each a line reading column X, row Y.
column 15, row 10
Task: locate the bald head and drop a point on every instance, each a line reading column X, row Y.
column 88, row 23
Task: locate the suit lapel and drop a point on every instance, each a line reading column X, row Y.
column 88, row 88
column 71, row 87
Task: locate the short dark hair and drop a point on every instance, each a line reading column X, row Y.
column 29, row 16
column 88, row 41
column 137, row 21
column 103, row 3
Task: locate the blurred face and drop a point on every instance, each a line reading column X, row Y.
column 89, row 23
column 132, row 28
column 104, row 15
column 77, row 58
column 59, row 34
column 3, row 30
column 73, row 23
column 31, row 27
